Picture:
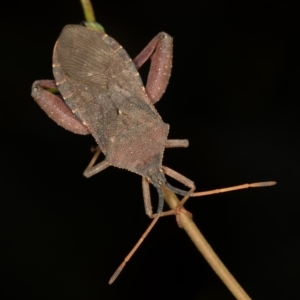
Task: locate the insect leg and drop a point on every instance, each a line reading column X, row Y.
column 176, row 143
column 92, row 170
column 184, row 180
column 55, row 107
column 187, row 182
column 97, row 151
column 147, row 197
column 160, row 50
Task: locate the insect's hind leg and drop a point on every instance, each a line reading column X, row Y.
column 55, row 107
column 160, row 50
column 91, row 169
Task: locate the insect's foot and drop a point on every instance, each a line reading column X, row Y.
column 163, row 214
column 176, row 211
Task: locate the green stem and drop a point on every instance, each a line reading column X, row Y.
column 88, row 10
column 90, row 16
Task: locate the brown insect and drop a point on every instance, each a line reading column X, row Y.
column 102, row 94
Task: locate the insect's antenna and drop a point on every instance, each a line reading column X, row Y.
column 122, row 265
column 233, row 188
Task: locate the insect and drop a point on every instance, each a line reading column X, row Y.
column 101, row 93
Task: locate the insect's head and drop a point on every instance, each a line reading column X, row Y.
column 158, row 179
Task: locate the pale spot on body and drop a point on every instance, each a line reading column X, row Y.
column 68, row 96
column 119, row 48
column 61, row 82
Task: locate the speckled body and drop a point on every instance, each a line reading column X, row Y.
column 101, row 85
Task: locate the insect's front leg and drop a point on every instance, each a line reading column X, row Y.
column 147, row 197
column 160, row 50
column 55, row 107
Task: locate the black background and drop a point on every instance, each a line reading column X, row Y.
column 233, row 93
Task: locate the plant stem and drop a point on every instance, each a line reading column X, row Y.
column 88, row 10
column 186, row 222
column 205, row 249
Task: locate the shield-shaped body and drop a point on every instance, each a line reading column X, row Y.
column 102, row 87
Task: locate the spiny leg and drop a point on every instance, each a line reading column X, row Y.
column 160, row 50
column 55, row 107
